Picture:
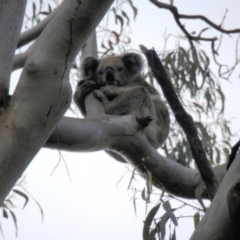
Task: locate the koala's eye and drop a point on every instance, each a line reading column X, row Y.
column 120, row 69
column 100, row 72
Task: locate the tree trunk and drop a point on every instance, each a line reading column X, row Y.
column 43, row 93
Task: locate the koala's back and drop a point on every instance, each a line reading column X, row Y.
column 158, row 129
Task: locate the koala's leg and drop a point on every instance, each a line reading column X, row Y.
column 138, row 102
column 162, row 120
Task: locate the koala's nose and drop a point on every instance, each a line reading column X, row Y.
column 109, row 74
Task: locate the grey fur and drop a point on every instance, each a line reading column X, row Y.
column 122, row 91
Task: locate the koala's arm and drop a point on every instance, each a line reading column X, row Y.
column 84, row 87
column 111, row 92
column 87, row 85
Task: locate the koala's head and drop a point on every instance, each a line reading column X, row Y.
column 116, row 70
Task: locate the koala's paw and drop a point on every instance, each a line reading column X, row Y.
column 110, row 91
column 144, row 121
column 100, row 96
column 85, row 87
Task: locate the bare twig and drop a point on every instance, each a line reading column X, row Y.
column 174, row 11
column 184, row 119
column 189, row 36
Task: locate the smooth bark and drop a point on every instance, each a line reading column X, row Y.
column 20, row 59
column 11, row 18
column 122, row 134
column 43, row 93
column 34, row 32
column 218, row 223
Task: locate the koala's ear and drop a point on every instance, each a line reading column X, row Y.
column 89, row 66
column 133, row 62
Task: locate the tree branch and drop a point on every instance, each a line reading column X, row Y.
column 43, row 93
column 217, row 27
column 32, row 33
column 177, row 16
column 221, row 220
column 20, row 59
column 11, row 18
column 184, row 119
column 189, row 36
column 122, row 134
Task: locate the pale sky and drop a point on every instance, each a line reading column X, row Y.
column 91, row 206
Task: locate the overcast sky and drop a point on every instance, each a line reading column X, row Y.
column 91, row 206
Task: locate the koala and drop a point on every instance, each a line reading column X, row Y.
column 118, row 84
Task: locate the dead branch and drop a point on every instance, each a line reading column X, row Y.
column 184, row 119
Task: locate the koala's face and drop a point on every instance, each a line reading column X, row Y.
column 116, row 70
column 112, row 71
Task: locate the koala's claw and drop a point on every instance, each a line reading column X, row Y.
column 81, row 82
column 85, row 82
column 85, row 87
column 98, row 94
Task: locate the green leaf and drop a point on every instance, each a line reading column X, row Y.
column 162, row 224
column 198, row 193
column 110, row 44
column 10, row 203
column 14, row 220
column 173, row 236
column 162, row 193
column 126, row 16
column 143, row 194
column 149, row 182
column 34, row 10
column 222, row 98
column 152, row 235
column 1, row 230
column 218, row 156
column 196, row 219
column 135, row 206
column 148, row 221
column 119, row 18
column 5, row 214
column 116, row 35
column 22, row 194
column 40, row 208
column 135, row 11
column 169, row 211
column 226, row 152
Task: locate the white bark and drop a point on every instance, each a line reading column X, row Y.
column 122, row 134
column 43, row 93
column 20, row 59
column 11, row 18
column 216, row 223
column 90, row 48
column 32, row 33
